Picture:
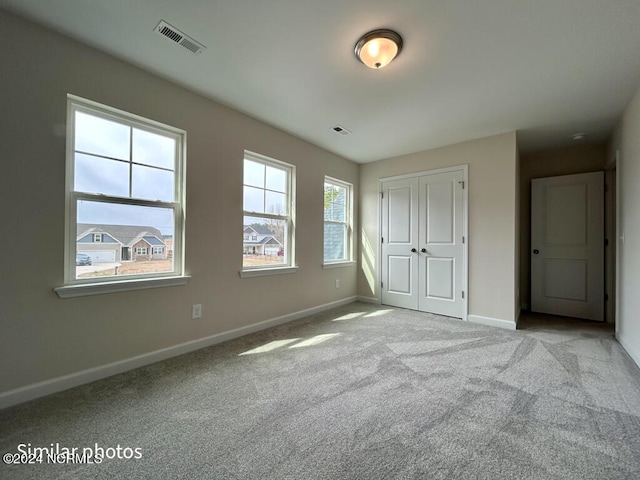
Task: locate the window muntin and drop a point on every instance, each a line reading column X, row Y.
column 125, row 180
column 338, row 215
column 267, row 213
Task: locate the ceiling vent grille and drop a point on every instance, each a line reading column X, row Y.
column 182, row 39
column 341, row 130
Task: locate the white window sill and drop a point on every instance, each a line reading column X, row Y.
column 70, row 291
column 338, row 264
column 260, row 272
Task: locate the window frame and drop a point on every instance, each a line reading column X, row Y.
column 289, row 266
column 348, row 223
column 73, row 286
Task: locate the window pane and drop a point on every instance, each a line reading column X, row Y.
column 135, row 239
column 253, row 174
column 253, row 199
column 100, row 175
column 101, row 137
column 276, row 179
column 328, row 211
column 339, row 213
column 152, row 184
column 269, row 247
column 335, row 242
column 276, row 203
column 153, row 149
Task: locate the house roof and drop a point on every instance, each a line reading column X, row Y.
column 259, row 229
column 153, row 241
column 128, row 235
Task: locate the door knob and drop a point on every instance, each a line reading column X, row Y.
column 413, row 250
column 424, row 250
column 536, row 251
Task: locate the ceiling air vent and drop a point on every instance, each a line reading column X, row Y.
column 180, row 38
column 341, row 130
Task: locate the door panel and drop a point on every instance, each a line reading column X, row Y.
column 440, row 278
column 566, row 215
column 567, row 243
column 400, row 272
column 440, row 216
column 400, row 214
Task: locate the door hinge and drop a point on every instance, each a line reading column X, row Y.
column 382, row 240
column 461, row 182
column 606, row 242
column 381, row 284
column 381, row 194
column 463, row 239
column 463, row 294
column 606, row 297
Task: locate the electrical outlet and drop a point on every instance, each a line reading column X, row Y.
column 337, row 283
column 196, row 311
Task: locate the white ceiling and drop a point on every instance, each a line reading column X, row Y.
column 469, row 69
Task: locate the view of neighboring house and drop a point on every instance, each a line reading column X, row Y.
column 260, row 240
column 118, row 243
column 168, row 241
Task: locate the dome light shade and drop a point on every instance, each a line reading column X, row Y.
column 378, row 48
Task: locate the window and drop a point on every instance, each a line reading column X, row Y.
column 268, row 211
column 141, row 250
column 125, row 177
column 338, row 215
column 157, row 250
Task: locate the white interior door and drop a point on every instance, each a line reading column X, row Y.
column 422, row 243
column 567, row 245
column 399, row 243
column 441, row 237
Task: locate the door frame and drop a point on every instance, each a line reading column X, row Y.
column 465, row 226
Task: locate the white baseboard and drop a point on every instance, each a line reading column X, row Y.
column 492, row 322
column 58, row 384
column 632, row 351
column 364, row 299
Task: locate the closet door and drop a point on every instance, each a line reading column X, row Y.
column 423, row 256
column 399, row 243
column 440, row 242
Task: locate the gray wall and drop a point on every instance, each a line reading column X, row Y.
column 42, row 336
column 626, row 141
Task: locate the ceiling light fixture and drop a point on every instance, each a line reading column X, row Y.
column 578, row 136
column 378, row 48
